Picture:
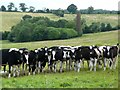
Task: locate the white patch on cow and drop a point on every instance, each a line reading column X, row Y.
column 21, row 51
column 64, row 54
column 26, row 56
column 97, row 52
column 108, row 48
column 90, row 47
column 36, row 51
column 45, row 49
column 46, row 54
column 73, row 50
column 53, row 53
column 13, row 49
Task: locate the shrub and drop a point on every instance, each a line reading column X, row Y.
column 5, row 35
column 25, row 17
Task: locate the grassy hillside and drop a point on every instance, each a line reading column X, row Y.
column 103, row 38
column 72, row 79
column 12, row 18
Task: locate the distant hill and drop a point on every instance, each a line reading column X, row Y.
column 12, row 18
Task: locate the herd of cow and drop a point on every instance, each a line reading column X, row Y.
column 36, row 60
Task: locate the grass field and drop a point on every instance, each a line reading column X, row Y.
column 9, row 18
column 72, row 79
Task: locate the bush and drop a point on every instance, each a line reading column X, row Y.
column 25, row 17
column 4, row 35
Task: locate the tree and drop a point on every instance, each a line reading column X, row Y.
column 23, row 7
column 108, row 27
column 3, row 8
column 78, row 24
column 72, row 8
column 47, row 10
column 90, row 10
column 10, row 6
column 31, row 9
column 103, row 28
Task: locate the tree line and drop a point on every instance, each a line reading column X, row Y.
column 59, row 12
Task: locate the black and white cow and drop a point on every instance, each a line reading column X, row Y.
column 89, row 53
column 42, row 58
column 32, row 61
column 110, row 53
column 25, row 55
column 58, row 53
column 4, row 58
column 14, row 59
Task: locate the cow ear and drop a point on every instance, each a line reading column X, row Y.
column 118, row 44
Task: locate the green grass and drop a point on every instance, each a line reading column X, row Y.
column 72, row 79
column 10, row 19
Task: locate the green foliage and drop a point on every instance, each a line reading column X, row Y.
column 72, row 8
column 38, row 28
column 25, row 17
column 3, row 8
column 90, row 10
column 23, row 7
column 5, row 35
column 59, row 12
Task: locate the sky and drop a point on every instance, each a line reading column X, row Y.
column 63, row 4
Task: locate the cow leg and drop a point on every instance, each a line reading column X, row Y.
column 111, row 63
column 9, row 71
column 70, row 64
column 55, row 66
column 91, row 65
column 105, row 63
column 79, row 65
column 75, row 65
column 18, row 71
column 66, row 65
column 29, row 70
column 99, row 64
column 115, row 62
column 33, row 70
column 95, row 62
column 39, row 66
column 23, row 68
column 4, row 68
column 14, row 70
column 61, row 62
column 83, row 64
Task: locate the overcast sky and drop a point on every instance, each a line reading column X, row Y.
column 63, row 4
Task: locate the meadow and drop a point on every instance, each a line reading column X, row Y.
column 72, row 79
column 9, row 19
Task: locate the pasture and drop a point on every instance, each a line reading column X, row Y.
column 72, row 79
column 9, row 19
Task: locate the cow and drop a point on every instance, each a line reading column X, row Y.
column 110, row 53
column 32, row 61
column 58, row 53
column 25, row 55
column 14, row 59
column 89, row 53
column 4, row 58
column 42, row 58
